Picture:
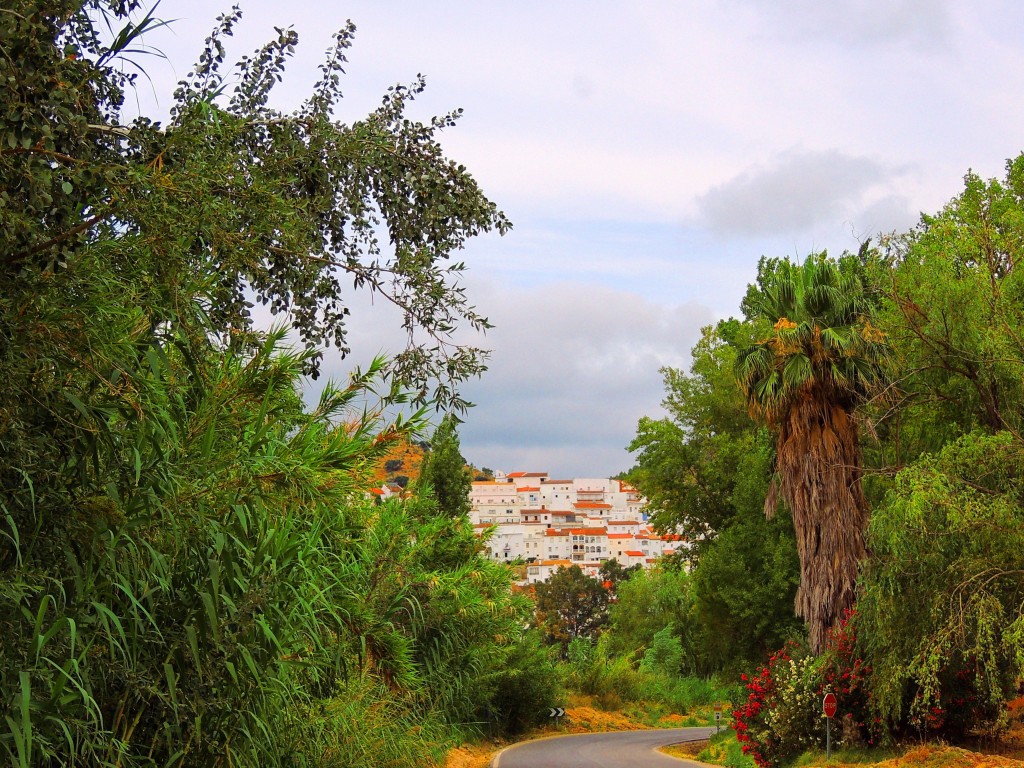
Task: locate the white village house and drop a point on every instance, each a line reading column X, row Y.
column 550, row 523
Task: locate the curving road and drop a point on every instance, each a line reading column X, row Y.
column 622, row 749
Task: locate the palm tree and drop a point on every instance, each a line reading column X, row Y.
column 804, row 380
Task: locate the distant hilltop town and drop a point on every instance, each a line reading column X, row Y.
column 554, row 523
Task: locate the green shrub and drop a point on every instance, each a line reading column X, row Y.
column 528, row 684
column 665, row 654
column 593, row 671
column 724, row 749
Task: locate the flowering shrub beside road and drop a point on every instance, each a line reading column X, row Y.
column 782, row 715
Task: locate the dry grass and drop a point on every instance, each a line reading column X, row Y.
column 470, row 756
column 933, row 756
column 687, row 750
column 411, row 456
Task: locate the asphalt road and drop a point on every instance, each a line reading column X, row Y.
column 623, row 749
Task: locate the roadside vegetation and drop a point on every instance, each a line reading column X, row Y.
column 903, row 362
column 194, row 568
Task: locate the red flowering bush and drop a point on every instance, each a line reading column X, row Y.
column 779, row 718
column 782, row 715
column 846, row 674
column 953, row 706
column 749, row 719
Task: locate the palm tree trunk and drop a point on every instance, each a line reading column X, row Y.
column 820, row 476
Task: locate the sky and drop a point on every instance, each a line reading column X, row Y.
column 648, row 153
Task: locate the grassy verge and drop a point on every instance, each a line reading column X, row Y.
column 724, row 750
column 861, row 756
column 721, row 749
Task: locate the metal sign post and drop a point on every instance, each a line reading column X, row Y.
column 829, row 705
column 828, row 739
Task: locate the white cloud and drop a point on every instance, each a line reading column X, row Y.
column 921, row 23
column 574, row 366
column 797, row 192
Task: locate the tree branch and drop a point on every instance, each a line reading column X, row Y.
column 12, row 259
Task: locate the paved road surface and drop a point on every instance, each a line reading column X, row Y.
column 624, row 749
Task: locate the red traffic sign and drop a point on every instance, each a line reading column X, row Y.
column 829, row 705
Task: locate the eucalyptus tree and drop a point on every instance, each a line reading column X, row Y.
column 818, row 359
column 291, row 210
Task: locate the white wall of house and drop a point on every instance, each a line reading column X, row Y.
column 549, row 523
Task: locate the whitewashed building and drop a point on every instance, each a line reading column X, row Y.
column 551, row 523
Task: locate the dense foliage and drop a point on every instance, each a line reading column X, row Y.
column 943, row 593
column 891, row 383
column 193, row 570
column 706, row 469
column 943, row 597
column 445, row 472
